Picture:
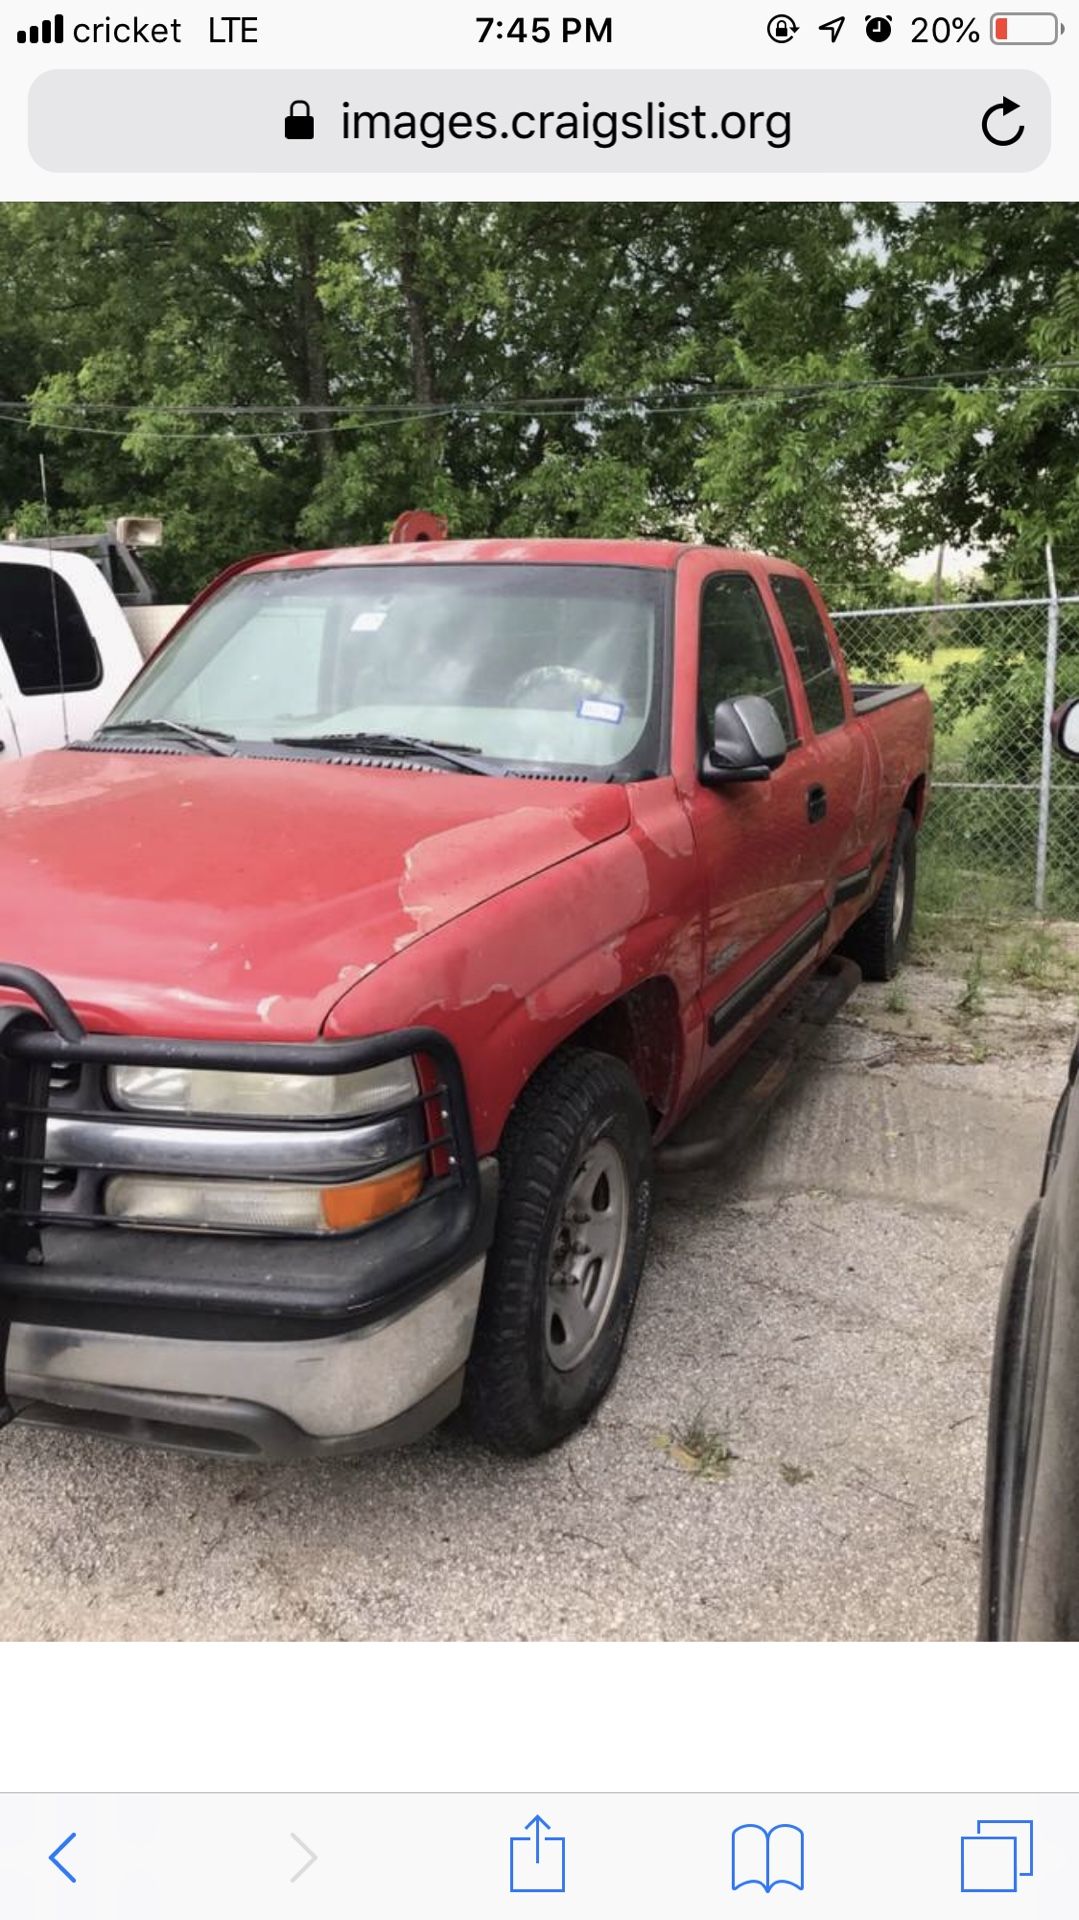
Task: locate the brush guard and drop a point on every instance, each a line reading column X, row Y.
column 40, row 1038
column 21, row 1087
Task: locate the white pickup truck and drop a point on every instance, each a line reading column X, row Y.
column 67, row 648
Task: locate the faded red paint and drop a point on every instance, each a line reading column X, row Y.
column 238, row 898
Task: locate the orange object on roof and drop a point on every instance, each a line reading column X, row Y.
column 417, row 524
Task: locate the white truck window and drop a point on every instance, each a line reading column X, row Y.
column 44, row 633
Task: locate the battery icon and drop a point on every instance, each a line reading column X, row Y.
column 1025, row 29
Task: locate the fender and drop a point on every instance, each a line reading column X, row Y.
column 514, row 978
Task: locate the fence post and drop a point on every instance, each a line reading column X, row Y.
column 1052, row 642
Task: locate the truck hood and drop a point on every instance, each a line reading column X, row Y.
column 195, row 896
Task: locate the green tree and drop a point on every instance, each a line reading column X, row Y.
column 526, row 369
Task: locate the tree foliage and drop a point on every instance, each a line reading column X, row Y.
column 848, row 385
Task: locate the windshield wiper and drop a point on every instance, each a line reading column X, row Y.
column 207, row 739
column 450, row 752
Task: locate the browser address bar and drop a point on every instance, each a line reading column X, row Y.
column 409, row 121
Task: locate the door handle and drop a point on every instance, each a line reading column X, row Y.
column 816, row 804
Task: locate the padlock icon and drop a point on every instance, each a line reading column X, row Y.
column 300, row 125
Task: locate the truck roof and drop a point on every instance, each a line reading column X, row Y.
column 73, row 567
column 662, row 554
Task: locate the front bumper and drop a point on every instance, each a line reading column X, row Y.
column 377, row 1385
column 231, row 1342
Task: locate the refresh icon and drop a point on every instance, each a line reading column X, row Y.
column 999, row 113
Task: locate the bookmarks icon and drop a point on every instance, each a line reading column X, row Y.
column 768, row 1857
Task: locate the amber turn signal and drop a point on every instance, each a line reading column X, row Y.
column 344, row 1208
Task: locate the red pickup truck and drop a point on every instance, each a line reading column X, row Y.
column 354, row 969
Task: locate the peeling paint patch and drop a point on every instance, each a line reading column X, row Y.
column 351, row 976
column 440, row 877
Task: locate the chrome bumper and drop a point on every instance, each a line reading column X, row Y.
column 380, row 1384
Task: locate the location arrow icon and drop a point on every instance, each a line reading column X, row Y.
column 834, row 27
column 58, row 1863
column 312, row 1856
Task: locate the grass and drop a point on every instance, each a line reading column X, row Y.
column 971, row 1001
column 793, row 1474
column 1040, row 960
column 700, row 1449
column 895, row 1000
column 992, row 949
column 950, row 887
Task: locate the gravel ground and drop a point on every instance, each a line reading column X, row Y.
column 814, row 1332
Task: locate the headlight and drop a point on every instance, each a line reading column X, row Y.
column 268, row 1096
column 254, row 1206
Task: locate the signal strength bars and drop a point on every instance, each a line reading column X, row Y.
column 49, row 34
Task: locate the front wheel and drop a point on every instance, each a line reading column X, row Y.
column 879, row 940
column 568, row 1253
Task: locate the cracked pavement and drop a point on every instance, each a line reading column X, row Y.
column 823, row 1308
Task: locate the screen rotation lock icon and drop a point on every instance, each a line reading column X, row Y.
column 300, row 121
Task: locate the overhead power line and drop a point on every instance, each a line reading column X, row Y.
column 288, row 417
column 531, row 402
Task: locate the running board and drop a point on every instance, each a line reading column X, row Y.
column 726, row 1118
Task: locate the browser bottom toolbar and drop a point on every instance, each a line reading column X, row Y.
column 126, row 1855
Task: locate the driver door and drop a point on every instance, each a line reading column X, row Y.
column 763, row 908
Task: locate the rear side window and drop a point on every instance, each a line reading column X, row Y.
column 48, row 642
column 820, row 675
column 738, row 650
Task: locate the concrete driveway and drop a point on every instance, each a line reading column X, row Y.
column 794, row 1448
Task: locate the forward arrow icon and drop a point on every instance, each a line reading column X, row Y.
column 309, row 1862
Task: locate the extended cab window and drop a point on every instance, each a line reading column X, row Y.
column 42, row 629
column 820, row 674
column 738, row 650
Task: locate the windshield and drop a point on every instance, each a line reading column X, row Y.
column 554, row 666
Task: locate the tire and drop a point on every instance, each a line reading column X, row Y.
column 878, row 941
column 546, row 1351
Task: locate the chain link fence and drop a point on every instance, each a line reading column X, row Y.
column 1002, row 834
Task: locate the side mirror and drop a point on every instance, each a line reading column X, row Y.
column 1066, row 729
column 749, row 742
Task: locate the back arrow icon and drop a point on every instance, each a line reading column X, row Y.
column 309, row 1862
column 58, row 1863
column 1002, row 107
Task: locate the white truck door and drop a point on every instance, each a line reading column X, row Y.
column 67, row 649
column 9, row 739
